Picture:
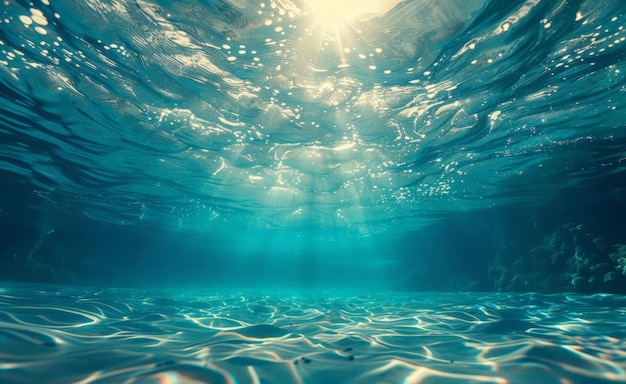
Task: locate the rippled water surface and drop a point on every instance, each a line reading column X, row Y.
column 285, row 143
column 58, row 334
column 198, row 115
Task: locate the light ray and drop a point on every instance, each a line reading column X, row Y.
column 335, row 23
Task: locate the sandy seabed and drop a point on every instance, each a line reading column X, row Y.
column 61, row 334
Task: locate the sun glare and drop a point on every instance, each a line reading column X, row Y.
column 331, row 13
column 334, row 25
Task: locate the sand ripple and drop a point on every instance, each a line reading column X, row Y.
column 58, row 334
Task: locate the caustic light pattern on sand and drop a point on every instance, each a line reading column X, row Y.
column 63, row 334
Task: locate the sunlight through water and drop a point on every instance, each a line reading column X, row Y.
column 359, row 116
column 328, row 185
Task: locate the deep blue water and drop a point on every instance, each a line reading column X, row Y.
column 324, row 159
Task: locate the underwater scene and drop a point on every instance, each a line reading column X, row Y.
column 313, row 191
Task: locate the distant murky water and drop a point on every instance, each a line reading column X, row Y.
column 213, row 115
column 57, row 334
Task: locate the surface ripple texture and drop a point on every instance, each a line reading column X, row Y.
column 211, row 115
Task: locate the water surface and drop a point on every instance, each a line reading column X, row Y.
column 214, row 115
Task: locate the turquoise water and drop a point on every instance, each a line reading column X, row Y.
column 307, row 191
column 67, row 334
column 218, row 115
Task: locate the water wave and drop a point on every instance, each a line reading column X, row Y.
column 201, row 114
